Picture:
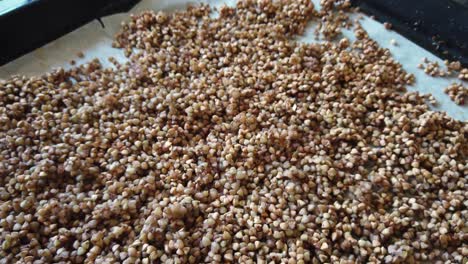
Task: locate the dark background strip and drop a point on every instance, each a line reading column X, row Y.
column 27, row 25
column 440, row 26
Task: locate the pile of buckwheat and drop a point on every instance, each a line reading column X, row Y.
column 463, row 75
column 457, row 92
column 223, row 140
column 433, row 69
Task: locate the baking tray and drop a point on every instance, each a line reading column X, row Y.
column 95, row 41
column 28, row 24
column 440, row 26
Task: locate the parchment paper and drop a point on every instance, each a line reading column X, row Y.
column 95, row 42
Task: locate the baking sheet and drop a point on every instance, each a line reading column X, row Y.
column 96, row 42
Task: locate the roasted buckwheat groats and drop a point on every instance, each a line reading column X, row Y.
column 222, row 140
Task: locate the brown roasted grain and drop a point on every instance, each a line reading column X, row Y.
column 223, row 140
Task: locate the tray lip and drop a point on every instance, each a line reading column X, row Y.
column 32, row 24
column 434, row 42
column 17, row 8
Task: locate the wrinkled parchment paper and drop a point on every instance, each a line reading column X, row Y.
column 95, row 42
